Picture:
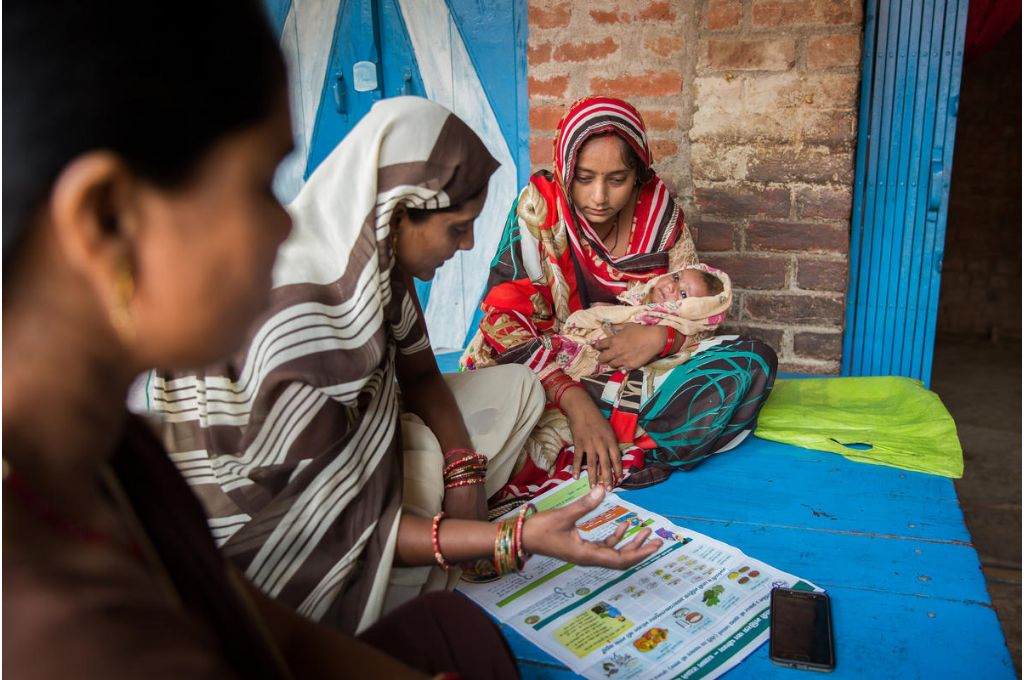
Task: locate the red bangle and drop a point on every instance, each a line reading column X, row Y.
column 561, row 390
column 435, row 541
column 464, row 482
column 475, row 461
column 554, row 379
column 670, row 341
column 528, row 510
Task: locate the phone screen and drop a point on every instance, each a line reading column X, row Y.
column 801, row 630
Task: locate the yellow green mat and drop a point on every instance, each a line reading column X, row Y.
column 882, row 420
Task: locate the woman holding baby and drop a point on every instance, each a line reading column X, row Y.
column 604, row 229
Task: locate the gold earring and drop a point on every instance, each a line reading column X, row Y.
column 124, row 292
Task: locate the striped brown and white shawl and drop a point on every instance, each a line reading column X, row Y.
column 293, row 445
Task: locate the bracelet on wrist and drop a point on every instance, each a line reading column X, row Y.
column 553, row 377
column 465, row 471
column 509, row 553
column 527, row 511
column 464, row 482
column 670, row 341
column 556, row 385
column 567, row 388
column 435, row 541
column 504, row 547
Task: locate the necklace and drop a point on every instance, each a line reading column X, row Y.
column 615, row 228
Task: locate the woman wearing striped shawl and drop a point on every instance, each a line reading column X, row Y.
column 295, row 445
column 604, row 223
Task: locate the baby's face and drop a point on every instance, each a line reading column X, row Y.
column 678, row 286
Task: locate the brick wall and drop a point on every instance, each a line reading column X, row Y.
column 981, row 271
column 751, row 106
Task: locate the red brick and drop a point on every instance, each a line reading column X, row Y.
column 657, row 11
column 660, row 119
column 751, row 272
column 723, row 14
column 797, row 236
column 824, row 203
column 663, row 148
column 800, row 164
column 833, row 50
column 646, row 84
column 743, row 201
column 751, row 55
column 602, row 17
column 782, row 12
column 833, row 128
column 666, row 45
column 830, row 91
column 538, row 54
column 803, row 12
column 540, row 151
column 824, row 275
column 770, row 336
column 715, row 237
column 552, row 87
column 824, row 346
column 838, row 11
column 555, row 16
column 586, row 51
column 793, row 309
column 857, row 14
column 545, row 116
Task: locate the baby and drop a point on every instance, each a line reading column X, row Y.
column 692, row 300
column 683, row 284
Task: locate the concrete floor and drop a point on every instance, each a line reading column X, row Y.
column 980, row 384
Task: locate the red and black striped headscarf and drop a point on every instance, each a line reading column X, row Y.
column 659, row 219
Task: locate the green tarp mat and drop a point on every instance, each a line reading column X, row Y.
column 882, row 420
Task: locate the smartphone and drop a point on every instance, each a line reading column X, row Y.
column 801, row 630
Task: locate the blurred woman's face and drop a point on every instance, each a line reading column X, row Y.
column 423, row 246
column 204, row 251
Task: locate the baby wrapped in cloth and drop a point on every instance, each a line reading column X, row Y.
column 692, row 300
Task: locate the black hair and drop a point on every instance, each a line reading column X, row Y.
column 630, row 158
column 419, row 215
column 713, row 283
column 156, row 81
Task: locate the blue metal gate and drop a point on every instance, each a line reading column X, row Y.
column 468, row 55
column 913, row 59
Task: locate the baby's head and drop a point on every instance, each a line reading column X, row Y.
column 682, row 284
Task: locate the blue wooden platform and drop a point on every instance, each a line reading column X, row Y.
column 890, row 547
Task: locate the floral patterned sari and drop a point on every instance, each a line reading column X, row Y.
column 551, row 263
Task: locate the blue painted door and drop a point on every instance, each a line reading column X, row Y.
column 913, row 58
column 468, row 55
